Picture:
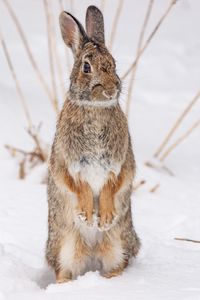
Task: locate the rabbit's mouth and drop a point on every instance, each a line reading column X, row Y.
column 100, row 93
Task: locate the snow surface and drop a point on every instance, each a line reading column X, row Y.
column 168, row 77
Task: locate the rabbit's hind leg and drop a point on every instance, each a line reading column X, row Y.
column 73, row 257
column 111, row 254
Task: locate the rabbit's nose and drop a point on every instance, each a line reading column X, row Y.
column 110, row 94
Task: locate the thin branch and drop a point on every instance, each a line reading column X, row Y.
column 138, row 185
column 102, row 6
column 140, row 41
column 180, row 140
column 72, row 6
column 154, row 188
column 187, row 240
column 115, row 22
column 50, row 49
column 177, row 124
column 22, row 173
column 164, row 16
column 62, row 8
column 55, row 50
column 61, row 5
column 17, row 85
column 34, row 136
column 159, row 168
column 14, row 150
column 28, row 50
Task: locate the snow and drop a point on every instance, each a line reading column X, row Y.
column 168, row 77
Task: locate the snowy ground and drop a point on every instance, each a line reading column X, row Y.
column 168, row 78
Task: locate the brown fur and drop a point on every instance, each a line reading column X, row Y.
column 91, row 166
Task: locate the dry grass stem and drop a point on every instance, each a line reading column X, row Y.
column 38, row 151
column 55, row 50
column 102, row 6
column 28, row 50
column 115, row 22
column 186, row 240
column 62, row 8
column 50, row 50
column 14, row 151
column 180, row 140
column 14, row 76
column 61, row 5
column 34, row 134
column 177, row 124
column 22, row 172
column 140, row 41
column 154, row 188
column 138, row 185
column 152, row 34
column 72, row 6
column 29, row 159
column 159, row 168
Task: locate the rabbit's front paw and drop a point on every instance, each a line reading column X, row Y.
column 85, row 205
column 89, row 219
column 107, row 214
column 85, row 214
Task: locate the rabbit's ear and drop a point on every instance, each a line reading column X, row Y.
column 95, row 24
column 72, row 31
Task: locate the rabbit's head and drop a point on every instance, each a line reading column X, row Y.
column 94, row 75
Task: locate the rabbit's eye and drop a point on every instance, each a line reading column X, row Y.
column 86, row 67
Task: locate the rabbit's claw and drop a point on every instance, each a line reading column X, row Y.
column 108, row 223
column 82, row 216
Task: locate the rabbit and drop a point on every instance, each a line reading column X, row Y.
column 91, row 165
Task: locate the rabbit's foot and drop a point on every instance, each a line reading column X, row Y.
column 62, row 276
column 113, row 273
column 116, row 271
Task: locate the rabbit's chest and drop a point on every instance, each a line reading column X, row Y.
column 94, row 172
column 94, row 158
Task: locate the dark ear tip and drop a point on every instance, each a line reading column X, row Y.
column 94, row 9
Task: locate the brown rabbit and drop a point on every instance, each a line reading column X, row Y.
column 91, row 167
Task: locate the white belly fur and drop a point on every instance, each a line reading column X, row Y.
column 94, row 174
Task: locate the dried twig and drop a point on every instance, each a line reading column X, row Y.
column 61, row 5
column 115, row 22
column 187, row 240
column 62, row 8
column 150, row 37
column 177, row 124
column 34, row 133
column 22, row 173
column 159, row 168
column 179, row 140
column 54, row 48
column 138, row 185
column 28, row 50
column 102, row 6
column 50, row 49
column 154, row 188
column 29, row 159
column 140, row 41
column 72, row 6
column 14, row 76
column 14, row 150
